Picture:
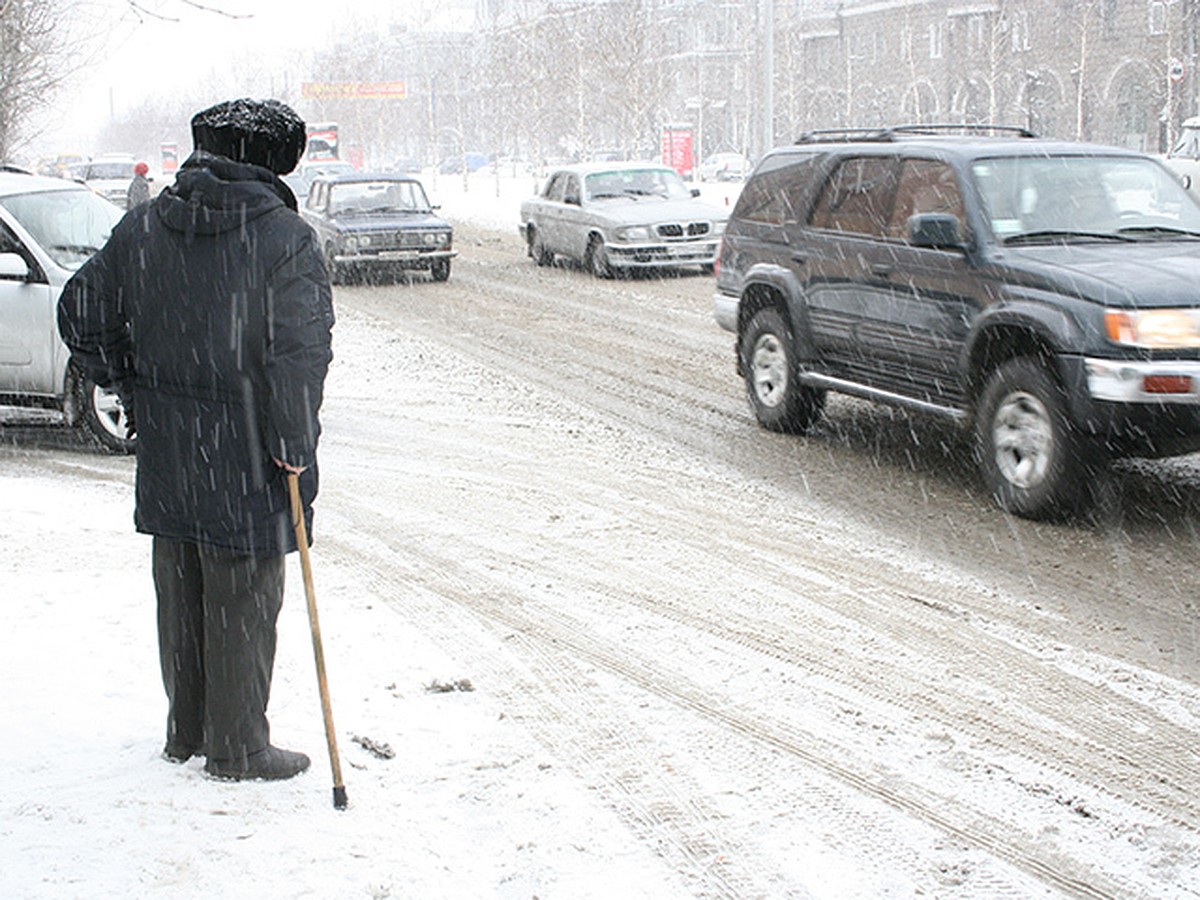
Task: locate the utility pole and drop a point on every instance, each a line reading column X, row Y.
column 767, row 24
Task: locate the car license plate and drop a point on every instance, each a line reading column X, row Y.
column 397, row 254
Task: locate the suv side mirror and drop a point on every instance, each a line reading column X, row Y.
column 13, row 267
column 572, row 199
column 934, row 230
column 695, row 192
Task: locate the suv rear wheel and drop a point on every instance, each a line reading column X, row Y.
column 780, row 402
column 1032, row 458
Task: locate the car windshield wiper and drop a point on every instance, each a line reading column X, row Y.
column 1163, row 231
column 1030, row 237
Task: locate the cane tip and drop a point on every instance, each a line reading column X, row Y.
column 339, row 797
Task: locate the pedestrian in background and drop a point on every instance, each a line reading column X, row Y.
column 139, row 188
column 210, row 312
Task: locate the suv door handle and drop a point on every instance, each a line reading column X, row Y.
column 883, row 270
column 800, row 258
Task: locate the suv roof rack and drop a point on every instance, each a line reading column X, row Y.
column 894, row 132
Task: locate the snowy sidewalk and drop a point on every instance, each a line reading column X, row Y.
column 468, row 807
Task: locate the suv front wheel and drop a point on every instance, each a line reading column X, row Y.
column 1032, row 458
column 780, row 402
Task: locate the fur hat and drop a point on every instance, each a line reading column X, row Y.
column 264, row 133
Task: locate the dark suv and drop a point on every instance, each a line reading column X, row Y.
column 1044, row 294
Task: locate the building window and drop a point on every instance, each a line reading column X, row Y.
column 937, row 40
column 977, row 32
column 1157, row 17
column 1020, row 31
column 906, row 44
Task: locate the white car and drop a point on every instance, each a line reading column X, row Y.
column 725, row 167
column 1184, row 157
column 48, row 228
column 616, row 217
column 109, row 176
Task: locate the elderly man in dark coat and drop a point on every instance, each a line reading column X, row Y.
column 210, row 312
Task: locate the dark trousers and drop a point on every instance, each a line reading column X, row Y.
column 216, row 641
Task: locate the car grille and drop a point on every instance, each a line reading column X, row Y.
column 678, row 230
column 400, row 240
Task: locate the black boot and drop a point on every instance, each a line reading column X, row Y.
column 178, row 752
column 271, row 764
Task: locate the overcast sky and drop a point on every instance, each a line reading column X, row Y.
column 180, row 47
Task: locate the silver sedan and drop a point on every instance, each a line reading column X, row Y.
column 615, row 217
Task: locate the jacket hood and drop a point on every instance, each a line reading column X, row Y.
column 213, row 195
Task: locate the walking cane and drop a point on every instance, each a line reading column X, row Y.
column 339, row 789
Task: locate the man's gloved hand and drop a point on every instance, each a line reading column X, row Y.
column 126, row 398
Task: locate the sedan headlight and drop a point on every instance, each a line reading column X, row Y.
column 351, row 244
column 437, row 238
column 634, row 233
column 1153, row 329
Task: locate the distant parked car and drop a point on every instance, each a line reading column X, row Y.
column 1184, row 157
column 453, row 165
column 48, row 229
column 109, row 176
column 725, row 167
column 614, row 217
column 301, row 179
column 373, row 223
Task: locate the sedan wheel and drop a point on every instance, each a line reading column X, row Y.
column 537, row 249
column 101, row 415
column 597, row 259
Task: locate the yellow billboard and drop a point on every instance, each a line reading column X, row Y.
column 353, row 90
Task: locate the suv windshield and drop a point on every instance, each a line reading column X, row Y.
column 69, row 225
column 636, row 183
column 377, row 197
column 1085, row 197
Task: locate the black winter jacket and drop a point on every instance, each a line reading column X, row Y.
column 210, row 311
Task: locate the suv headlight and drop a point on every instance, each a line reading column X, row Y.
column 1154, row 329
column 437, row 238
column 718, row 228
column 351, row 244
column 634, row 233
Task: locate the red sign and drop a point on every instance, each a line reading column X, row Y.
column 170, row 158
column 677, row 148
column 322, row 141
column 353, row 90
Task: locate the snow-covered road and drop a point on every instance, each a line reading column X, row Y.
column 705, row 661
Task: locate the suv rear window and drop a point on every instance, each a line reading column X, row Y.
column 770, row 196
column 857, row 197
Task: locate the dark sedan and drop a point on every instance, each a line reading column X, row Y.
column 369, row 224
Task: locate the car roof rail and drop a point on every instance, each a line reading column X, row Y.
column 838, row 135
column 891, row 133
column 965, row 128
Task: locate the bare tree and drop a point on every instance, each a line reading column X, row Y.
column 38, row 52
